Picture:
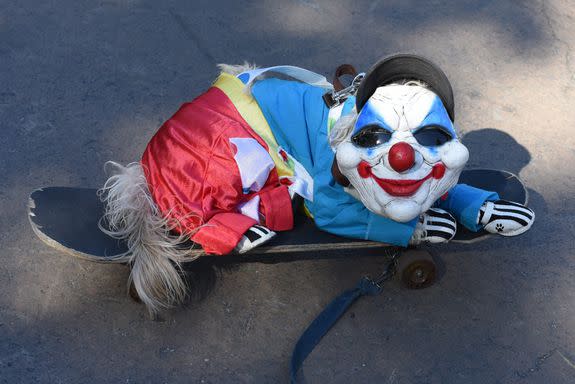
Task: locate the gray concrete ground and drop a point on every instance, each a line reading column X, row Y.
column 82, row 82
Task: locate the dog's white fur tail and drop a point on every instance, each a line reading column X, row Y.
column 154, row 253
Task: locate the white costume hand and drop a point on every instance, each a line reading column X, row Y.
column 255, row 236
column 505, row 217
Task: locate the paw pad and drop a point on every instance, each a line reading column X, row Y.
column 499, row 227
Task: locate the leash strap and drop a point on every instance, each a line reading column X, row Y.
column 326, row 319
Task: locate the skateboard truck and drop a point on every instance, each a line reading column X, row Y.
column 415, row 267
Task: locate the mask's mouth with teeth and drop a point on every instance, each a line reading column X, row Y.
column 397, row 187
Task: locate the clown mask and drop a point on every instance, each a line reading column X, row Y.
column 403, row 152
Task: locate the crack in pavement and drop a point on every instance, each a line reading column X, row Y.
column 554, row 35
column 190, row 34
column 536, row 367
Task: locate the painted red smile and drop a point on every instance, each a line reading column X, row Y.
column 400, row 188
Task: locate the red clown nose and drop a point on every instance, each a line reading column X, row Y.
column 401, row 156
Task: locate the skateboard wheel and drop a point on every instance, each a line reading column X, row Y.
column 417, row 269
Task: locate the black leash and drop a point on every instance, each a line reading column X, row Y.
column 333, row 312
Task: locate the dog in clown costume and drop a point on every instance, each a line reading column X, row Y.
column 381, row 163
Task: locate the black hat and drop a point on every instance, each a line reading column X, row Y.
column 406, row 67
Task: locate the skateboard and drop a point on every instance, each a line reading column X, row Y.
column 66, row 218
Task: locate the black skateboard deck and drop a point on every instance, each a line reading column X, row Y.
column 67, row 219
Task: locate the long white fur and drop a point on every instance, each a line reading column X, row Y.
column 235, row 70
column 342, row 129
column 154, row 253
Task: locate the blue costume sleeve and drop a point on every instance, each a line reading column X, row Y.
column 463, row 202
column 296, row 114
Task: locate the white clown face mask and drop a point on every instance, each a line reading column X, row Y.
column 403, row 153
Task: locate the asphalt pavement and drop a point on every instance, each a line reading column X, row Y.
column 83, row 82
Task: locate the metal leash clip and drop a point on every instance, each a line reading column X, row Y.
column 388, row 272
column 335, row 98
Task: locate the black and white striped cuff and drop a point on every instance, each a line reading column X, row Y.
column 435, row 226
column 439, row 226
column 254, row 236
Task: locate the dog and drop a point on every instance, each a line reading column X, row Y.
column 379, row 160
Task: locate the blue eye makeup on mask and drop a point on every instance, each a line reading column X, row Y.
column 369, row 116
column 437, row 119
column 370, row 128
column 436, row 128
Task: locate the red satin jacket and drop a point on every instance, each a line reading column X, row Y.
column 193, row 177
